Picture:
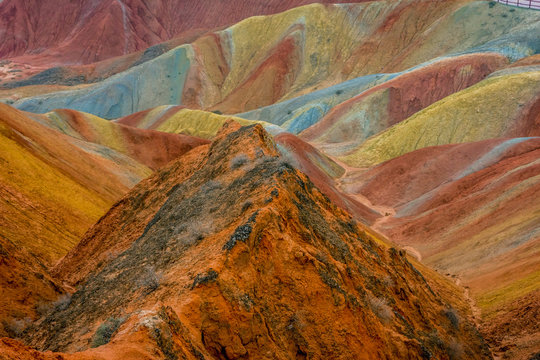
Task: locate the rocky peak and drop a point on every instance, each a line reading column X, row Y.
column 243, row 256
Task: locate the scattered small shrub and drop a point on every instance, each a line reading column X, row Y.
column 62, row 303
column 492, row 4
column 247, row 204
column 238, row 161
column 202, row 278
column 42, row 308
column 454, row 349
column 105, row 331
column 388, row 281
column 16, row 327
column 211, row 185
column 339, row 92
column 149, row 280
column 452, row 316
column 217, row 112
column 380, row 307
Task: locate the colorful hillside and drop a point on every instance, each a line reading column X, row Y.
column 50, row 182
column 283, row 56
column 501, row 106
column 470, row 210
column 110, row 28
column 60, row 173
column 236, row 284
column 151, row 148
column 179, row 120
column 269, row 180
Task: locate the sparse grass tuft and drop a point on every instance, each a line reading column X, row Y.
column 238, row 161
column 454, row 349
column 452, row 316
column 149, row 280
column 247, row 204
column 105, row 331
column 62, row 303
column 380, row 307
column 16, row 327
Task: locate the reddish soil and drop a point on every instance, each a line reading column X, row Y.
column 151, row 148
column 514, row 332
column 82, row 32
column 231, row 253
column 469, row 209
column 416, row 89
column 272, row 78
column 313, row 163
column 25, row 285
column 134, row 119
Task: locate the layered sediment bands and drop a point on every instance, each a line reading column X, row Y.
column 496, row 107
column 179, row 120
column 51, row 191
column 83, row 32
column 350, row 123
column 263, row 60
column 249, row 242
column 249, row 259
column 470, row 210
column 60, row 174
column 151, row 148
column 322, row 170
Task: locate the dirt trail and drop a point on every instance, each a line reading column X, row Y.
column 343, row 182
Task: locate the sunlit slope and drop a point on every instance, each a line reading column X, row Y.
column 53, row 186
column 248, row 250
column 148, row 147
column 178, row 120
column 263, row 60
column 496, row 107
column 347, row 125
column 470, row 210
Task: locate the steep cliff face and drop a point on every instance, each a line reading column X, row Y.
column 231, row 253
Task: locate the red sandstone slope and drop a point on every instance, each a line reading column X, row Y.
column 400, row 97
column 66, row 31
column 151, row 148
column 26, row 287
column 53, row 187
column 236, row 255
column 322, row 171
column 472, row 210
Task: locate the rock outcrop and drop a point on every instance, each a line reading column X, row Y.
column 232, row 253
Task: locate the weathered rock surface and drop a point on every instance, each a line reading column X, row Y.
column 232, row 253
